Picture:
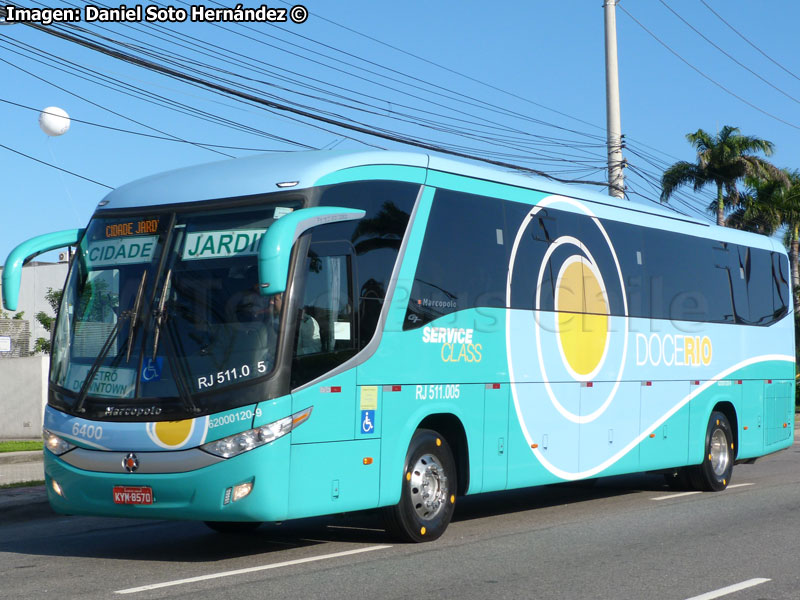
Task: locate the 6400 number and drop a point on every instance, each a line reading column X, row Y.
column 89, row 432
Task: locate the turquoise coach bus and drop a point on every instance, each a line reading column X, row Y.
column 282, row 336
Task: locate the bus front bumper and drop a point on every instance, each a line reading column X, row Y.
column 203, row 494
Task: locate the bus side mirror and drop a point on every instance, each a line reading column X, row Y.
column 276, row 245
column 12, row 272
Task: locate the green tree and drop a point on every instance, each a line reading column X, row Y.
column 53, row 298
column 759, row 208
column 768, row 204
column 788, row 202
column 722, row 160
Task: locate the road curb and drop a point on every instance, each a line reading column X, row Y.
column 15, row 458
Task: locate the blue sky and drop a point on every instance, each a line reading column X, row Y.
column 542, row 63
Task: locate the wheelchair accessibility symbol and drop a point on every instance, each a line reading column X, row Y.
column 367, row 421
column 151, row 369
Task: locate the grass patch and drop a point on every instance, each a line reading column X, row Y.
column 19, row 484
column 20, row 446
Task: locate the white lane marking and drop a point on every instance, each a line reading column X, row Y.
column 681, row 494
column 737, row 587
column 299, row 561
column 678, row 495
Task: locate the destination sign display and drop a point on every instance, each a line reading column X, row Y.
column 108, row 382
column 221, row 244
column 141, row 227
column 121, row 251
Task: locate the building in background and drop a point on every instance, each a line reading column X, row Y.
column 37, row 277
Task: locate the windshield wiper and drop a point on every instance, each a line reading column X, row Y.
column 159, row 318
column 180, row 376
column 134, row 316
column 112, row 336
column 159, row 315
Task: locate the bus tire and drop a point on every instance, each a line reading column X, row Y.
column 233, row 527
column 428, row 493
column 714, row 474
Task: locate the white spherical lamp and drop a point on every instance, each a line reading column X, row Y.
column 54, row 121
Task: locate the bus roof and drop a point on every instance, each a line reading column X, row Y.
column 261, row 174
column 258, row 174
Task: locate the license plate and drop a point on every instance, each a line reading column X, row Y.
column 124, row 494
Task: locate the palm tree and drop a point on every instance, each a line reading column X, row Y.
column 769, row 203
column 723, row 160
column 789, row 207
column 758, row 208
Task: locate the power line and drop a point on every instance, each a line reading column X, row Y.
column 10, row 64
column 55, row 167
column 453, row 71
column 764, row 54
column 699, row 72
column 131, row 59
column 745, row 67
column 393, row 102
column 583, row 166
column 580, row 166
column 127, row 89
column 142, row 134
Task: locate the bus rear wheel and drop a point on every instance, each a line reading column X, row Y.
column 714, row 474
column 233, row 526
column 428, row 490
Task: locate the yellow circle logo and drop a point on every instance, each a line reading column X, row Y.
column 579, row 305
column 583, row 317
column 173, row 433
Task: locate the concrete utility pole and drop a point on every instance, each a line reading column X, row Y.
column 616, row 184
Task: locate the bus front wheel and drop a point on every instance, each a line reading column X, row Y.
column 428, row 490
column 714, row 474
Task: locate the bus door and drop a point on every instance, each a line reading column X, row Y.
column 325, row 337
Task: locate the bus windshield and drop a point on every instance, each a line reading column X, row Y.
column 166, row 306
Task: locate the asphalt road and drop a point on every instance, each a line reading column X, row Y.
column 626, row 537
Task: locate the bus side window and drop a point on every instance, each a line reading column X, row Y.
column 376, row 239
column 780, row 286
column 629, row 251
column 739, row 274
column 462, row 262
column 326, row 331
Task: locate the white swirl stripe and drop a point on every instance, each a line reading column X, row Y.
column 700, row 388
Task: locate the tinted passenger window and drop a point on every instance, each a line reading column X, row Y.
column 628, row 246
column 688, row 278
column 464, row 263
column 463, row 258
column 325, row 334
column 376, row 239
column 780, row 285
column 536, row 243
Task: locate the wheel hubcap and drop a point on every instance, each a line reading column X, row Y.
column 428, row 485
column 720, row 458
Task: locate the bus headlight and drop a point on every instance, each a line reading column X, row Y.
column 253, row 438
column 55, row 444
